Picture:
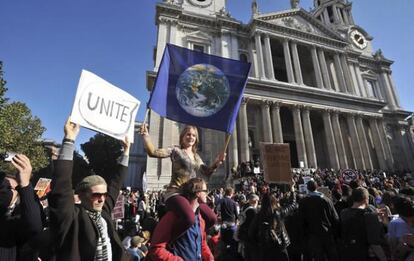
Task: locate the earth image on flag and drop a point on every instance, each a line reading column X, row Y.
column 202, row 90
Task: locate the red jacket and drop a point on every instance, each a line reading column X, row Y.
column 165, row 232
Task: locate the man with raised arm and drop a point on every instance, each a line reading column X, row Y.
column 20, row 212
column 85, row 231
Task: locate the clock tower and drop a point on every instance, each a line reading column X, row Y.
column 337, row 14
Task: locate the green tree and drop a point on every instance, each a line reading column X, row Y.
column 102, row 152
column 19, row 131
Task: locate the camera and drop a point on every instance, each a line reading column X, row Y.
column 7, row 156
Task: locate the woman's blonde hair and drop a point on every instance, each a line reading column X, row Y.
column 184, row 132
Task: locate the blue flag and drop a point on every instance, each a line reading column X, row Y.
column 199, row 89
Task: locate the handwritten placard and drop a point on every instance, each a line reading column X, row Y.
column 276, row 162
column 103, row 107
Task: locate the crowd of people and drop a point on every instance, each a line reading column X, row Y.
column 320, row 215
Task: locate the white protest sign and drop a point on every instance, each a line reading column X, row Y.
column 103, row 107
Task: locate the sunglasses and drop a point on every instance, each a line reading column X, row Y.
column 203, row 190
column 97, row 195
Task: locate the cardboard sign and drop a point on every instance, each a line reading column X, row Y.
column 103, row 107
column 276, row 162
column 118, row 211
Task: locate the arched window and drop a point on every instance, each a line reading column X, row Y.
column 243, row 57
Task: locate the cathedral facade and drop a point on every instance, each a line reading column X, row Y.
column 315, row 83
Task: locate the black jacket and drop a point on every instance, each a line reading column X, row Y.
column 20, row 226
column 318, row 216
column 76, row 234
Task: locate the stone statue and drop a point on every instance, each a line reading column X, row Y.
column 255, row 9
column 294, row 3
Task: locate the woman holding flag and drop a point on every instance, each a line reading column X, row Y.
column 186, row 164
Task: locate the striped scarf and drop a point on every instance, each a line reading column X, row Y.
column 101, row 253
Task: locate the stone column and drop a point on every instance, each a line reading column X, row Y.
column 347, row 75
column 339, row 73
column 394, row 90
column 300, row 144
column 343, row 162
column 288, row 61
column 326, row 16
column 310, row 146
column 173, row 32
column 254, row 71
column 259, row 54
column 244, row 132
column 330, row 140
column 404, row 156
column 384, row 138
column 345, row 15
column 325, row 73
column 354, row 78
column 153, row 165
column 296, row 63
column 162, row 41
column 406, row 143
column 234, row 47
column 277, row 125
column 317, row 68
column 360, row 80
column 388, row 92
column 233, row 150
column 410, row 146
column 269, row 58
column 379, row 148
column 363, row 140
column 267, row 125
column 335, row 14
column 356, row 147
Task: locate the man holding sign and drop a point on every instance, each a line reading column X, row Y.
column 85, row 231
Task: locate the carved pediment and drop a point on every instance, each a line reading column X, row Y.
column 302, row 21
column 199, row 36
column 298, row 23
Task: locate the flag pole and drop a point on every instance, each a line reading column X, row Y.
column 226, row 144
column 146, row 116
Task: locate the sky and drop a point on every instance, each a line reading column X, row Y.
column 44, row 45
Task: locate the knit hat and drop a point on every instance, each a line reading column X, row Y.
column 89, row 182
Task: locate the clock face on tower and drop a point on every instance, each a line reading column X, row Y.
column 201, row 3
column 358, row 39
